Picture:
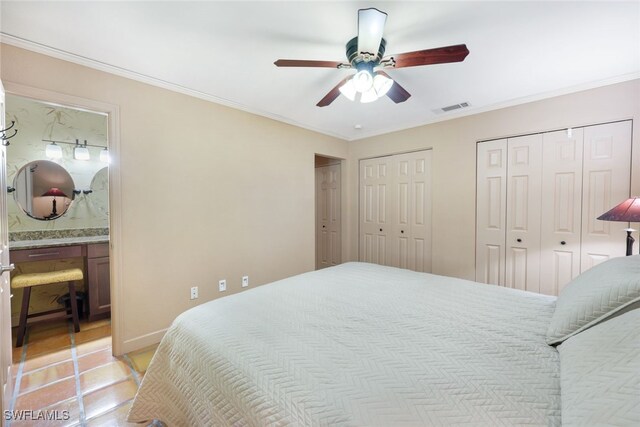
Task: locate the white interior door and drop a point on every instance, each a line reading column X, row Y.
column 328, row 226
column 561, row 209
column 491, row 211
column 524, row 175
column 605, row 183
column 374, row 210
column 411, row 216
column 5, row 291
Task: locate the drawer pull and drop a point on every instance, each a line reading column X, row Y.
column 43, row 254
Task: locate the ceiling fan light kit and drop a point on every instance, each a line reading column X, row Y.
column 366, row 52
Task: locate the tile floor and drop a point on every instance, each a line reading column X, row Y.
column 57, row 369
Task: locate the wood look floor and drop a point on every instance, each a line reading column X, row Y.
column 59, row 370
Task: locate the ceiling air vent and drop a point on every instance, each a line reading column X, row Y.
column 452, row 108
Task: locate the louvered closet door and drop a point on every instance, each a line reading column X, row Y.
column 491, row 211
column 374, row 210
column 328, row 216
column 411, row 213
column 524, row 175
column 605, row 183
column 561, row 209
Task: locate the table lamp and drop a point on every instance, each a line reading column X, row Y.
column 627, row 211
column 54, row 192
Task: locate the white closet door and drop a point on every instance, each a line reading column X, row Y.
column 491, row 211
column 524, row 175
column 561, row 209
column 328, row 246
column 411, row 212
column 605, row 183
column 374, row 210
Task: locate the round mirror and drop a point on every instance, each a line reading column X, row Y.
column 44, row 189
column 100, row 189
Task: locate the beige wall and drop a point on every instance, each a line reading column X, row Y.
column 454, row 158
column 245, row 184
column 208, row 192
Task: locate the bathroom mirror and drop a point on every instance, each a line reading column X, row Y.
column 100, row 190
column 43, row 190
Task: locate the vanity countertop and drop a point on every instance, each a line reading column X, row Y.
column 65, row 241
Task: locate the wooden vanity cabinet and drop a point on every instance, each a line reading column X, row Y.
column 98, row 281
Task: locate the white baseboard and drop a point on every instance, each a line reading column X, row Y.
column 143, row 341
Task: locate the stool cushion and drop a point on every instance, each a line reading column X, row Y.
column 37, row 279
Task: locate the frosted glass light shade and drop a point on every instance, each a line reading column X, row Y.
column 382, row 84
column 53, row 151
column 81, row 153
column 349, row 90
column 104, row 156
column 362, row 81
column 369, row 96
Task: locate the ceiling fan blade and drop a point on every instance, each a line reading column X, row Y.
column 370, row 28
column 397, row 93
column 304, row 63
column 440, row 55
column 333, row 94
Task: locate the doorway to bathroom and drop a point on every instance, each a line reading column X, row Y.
column 59, row 216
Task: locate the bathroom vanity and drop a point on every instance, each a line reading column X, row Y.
column 94, row 252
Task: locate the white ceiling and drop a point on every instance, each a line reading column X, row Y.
column 224, row 52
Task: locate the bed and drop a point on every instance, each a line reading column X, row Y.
column 360, row 344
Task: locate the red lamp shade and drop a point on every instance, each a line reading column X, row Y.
column 55, row 192
column 627, row 211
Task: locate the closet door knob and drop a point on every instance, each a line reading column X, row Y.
column 381, row 229
column 563, row 243
column 323, row 226
column 519, row 240
column 402, row 231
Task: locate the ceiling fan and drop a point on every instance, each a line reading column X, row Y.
column 365, row 53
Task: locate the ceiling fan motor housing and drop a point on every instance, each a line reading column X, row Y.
column 354, row 57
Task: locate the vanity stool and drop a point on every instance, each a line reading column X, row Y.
column 27, row 281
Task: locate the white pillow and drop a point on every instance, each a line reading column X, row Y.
column 595, row 295
column 600, row 374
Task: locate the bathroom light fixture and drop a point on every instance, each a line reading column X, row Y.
column 81, row 152
column 53, row 151
column 104, row 156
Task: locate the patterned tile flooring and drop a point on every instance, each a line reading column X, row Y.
column 74, row 375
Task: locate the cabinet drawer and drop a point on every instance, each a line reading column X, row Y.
column 44, row 254
column 98, row 250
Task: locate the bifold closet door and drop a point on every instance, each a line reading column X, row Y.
column 605, row 183
column 491, row 211
column 395, row 210
column 328, row 227
column 561, row 209
column 374, row 210
column 522, row 246
column 411, row 217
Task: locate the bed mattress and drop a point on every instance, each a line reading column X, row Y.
column 358, row 344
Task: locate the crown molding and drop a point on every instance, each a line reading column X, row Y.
column 506, row 104
column 143, row 78
column 123, row 72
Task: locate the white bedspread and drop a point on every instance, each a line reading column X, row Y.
column 355, row 345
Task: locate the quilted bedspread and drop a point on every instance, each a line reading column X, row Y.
column 358, row 345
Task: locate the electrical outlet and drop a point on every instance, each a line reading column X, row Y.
column 194, row 292
column 245, row 281
column 222, row 285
